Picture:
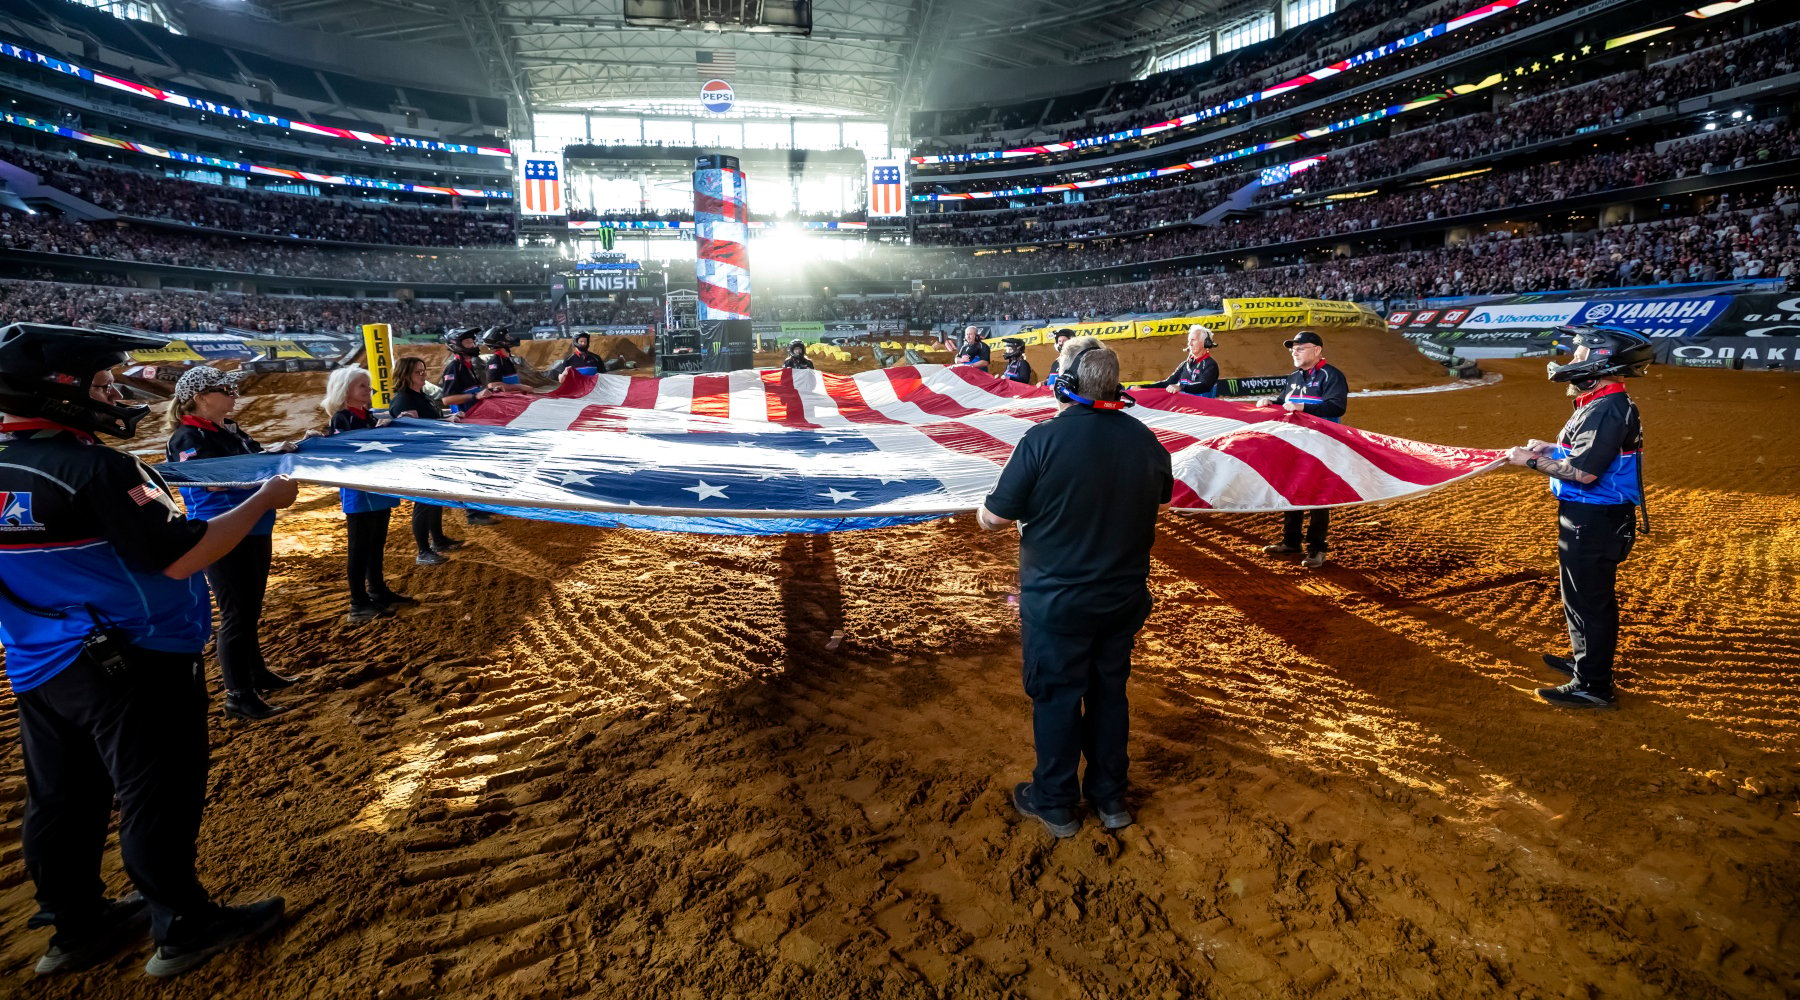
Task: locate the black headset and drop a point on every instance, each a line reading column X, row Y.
column 1068, row 381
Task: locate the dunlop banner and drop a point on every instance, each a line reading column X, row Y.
column 1178, row 326
column 174, row 350
column 1119, row 330
column 1252, row 313
column 378, row 352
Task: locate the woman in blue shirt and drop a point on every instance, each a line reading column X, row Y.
column 347, row 397
column 201, row 427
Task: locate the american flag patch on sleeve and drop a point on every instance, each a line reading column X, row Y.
column 189, row 453
column 144, row 493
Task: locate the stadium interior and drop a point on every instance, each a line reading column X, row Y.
column 620, row 762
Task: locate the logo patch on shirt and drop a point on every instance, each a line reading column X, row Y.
column 15, row 513
column 144, row 493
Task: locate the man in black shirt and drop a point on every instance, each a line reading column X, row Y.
column 973, row 352
column 1085, row 487
column 1596, row 475
column 579, row 357
column 1318, row 389
column 796, row 357
column 1017, row 368
column 464, row 378
column 464, row 386
column 1198, row 373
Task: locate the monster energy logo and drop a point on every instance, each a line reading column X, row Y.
column 606, row 238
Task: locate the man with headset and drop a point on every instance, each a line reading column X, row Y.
column 1596, row 474
column 104, row 614
column 1085, row 488
column 1198, row 373
column 1317, row 389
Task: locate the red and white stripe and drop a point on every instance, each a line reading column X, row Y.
column 960, row 426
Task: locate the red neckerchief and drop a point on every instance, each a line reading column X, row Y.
column 358, row 414
column 35, row 424
column 189, row 420
column 1605, row 390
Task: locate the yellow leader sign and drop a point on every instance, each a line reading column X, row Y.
column 378, row 351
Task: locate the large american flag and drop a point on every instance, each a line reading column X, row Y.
column 540, row 184
column 764, row 452
column 716, row 62
column 887, row 193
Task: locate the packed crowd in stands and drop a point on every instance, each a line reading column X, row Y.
column 46, row 234
column 1114, row 210
column 1167, row 95
column 1557, row 111
column 1562, row 112
column 1731, row 242
column 1319, row 42
column 181, row 311
column 1762, row 142
column 143, row 195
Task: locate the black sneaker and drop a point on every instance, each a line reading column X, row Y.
column 362, row 612
column 1574, row 695
column 389, row 599
column 121, row 923
column 1113, row 815
column 190, row 949
column 1561, row 664
column 1281, row 549
column 448, row 544
column 482, row 519
column 1052, row 820
column 431, row 557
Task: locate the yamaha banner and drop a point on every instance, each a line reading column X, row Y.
column 1681, row 317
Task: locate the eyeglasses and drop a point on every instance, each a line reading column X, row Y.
column 224, row 390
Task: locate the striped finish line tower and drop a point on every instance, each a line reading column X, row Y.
column 722, row 262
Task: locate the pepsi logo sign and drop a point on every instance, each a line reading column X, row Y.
column 716, row 96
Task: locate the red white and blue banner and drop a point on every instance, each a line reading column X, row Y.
column 778, row 451
column 227, row 111
column 887, row 188
column 540, row 184
column 721, row 238
column 347, row 180
column 1322, row 73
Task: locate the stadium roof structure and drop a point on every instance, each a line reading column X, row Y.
column 867, row 57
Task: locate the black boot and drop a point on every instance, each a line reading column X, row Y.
column 269, row 680
column 250, row 707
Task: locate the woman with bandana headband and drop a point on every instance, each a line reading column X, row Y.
column 201, row 427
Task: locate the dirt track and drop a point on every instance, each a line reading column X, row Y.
column 626, row 764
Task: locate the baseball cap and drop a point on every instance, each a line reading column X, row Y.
column 1304, row 337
